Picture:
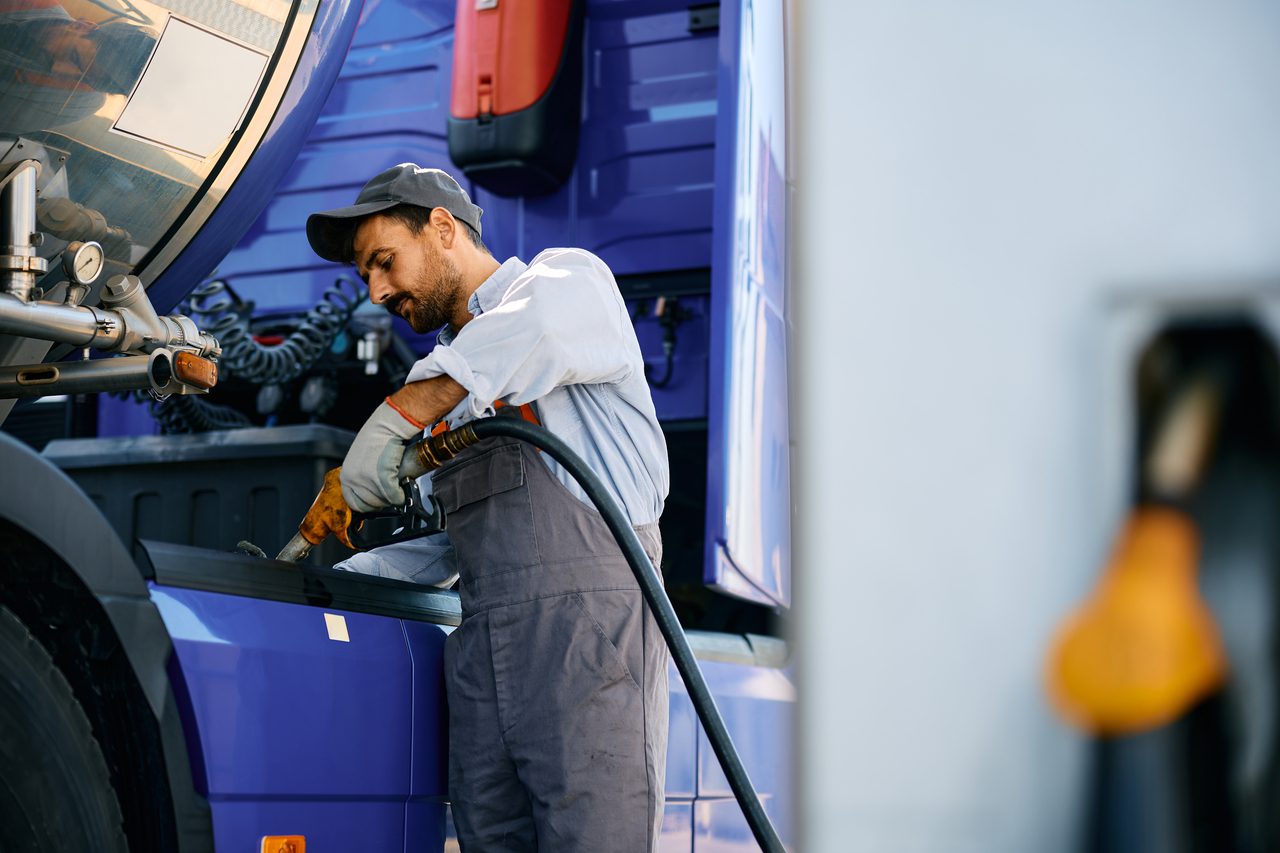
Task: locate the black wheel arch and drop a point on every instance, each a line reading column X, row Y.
column 65, row 572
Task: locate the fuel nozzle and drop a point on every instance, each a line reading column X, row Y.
column 1144, row 647
column 329, row 514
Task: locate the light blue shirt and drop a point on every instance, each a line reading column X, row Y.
column 555, row 333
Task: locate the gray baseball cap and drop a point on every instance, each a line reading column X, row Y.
column 330, row 231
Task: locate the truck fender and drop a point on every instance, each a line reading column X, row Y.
column 65, row 521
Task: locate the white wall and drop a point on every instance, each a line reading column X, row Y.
column 974, row 182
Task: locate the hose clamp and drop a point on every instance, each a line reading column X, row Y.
column 24, row 263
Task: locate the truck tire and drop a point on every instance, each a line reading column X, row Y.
column 55, row 790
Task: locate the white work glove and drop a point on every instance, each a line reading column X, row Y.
column 371, row 471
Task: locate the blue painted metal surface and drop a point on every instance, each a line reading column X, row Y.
column 389, row 105
column 641, row 195
column 428, row 744
column 748, row 498
column 682, row 743
column 332, row 28
column 677, row 828
column 300, row 733
column 685, row 397
column 430, row 750
column 117, row 417
column 757, row 704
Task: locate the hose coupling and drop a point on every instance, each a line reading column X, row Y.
column 438, row 449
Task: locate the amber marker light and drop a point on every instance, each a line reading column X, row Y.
column 284, row 844
column 191, row 369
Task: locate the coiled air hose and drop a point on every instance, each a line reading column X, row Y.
column 330, row 514
column 183, row 414
column 216, row 307
column 224, row 315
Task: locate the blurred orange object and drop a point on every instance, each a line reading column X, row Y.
column 1144, row 648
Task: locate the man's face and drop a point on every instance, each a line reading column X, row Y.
column 407, row 273
column 71, row 48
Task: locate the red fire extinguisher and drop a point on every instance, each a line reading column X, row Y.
column 517, row 93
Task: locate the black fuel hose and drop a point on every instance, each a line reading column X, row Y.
column 650, row 585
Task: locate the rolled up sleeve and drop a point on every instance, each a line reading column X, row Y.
column 560, row 322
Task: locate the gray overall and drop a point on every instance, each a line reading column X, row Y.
column 557, row 677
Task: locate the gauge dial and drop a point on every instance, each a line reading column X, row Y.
column 83, row 262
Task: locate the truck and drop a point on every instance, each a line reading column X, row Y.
column 163, row 690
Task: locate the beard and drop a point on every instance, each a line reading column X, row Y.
column 434, row 299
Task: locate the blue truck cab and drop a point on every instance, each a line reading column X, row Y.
column 163, row 691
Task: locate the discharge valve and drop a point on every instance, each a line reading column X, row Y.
column 166, row 355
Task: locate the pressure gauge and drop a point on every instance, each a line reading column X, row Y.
column 83, row 262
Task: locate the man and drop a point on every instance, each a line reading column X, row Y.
column 557, row 677
column 55, row 69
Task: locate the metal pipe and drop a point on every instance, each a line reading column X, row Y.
column 144, row 329
column 79, row 325
column 67, row 220
column 123, row 373
column 131, row 327
column 19, row 263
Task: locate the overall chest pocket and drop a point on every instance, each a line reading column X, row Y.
column 489, row 512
